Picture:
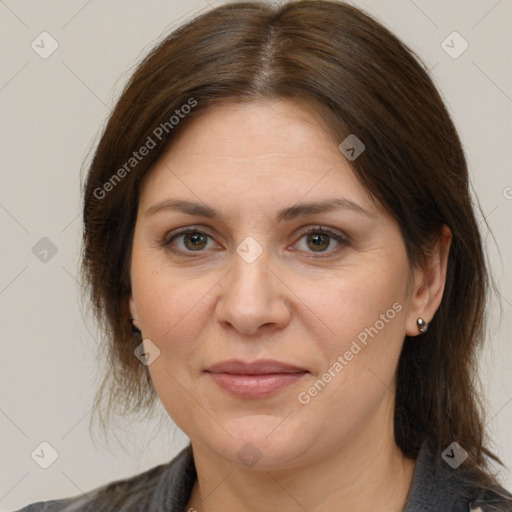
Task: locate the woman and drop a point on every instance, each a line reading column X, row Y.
column 280, row 242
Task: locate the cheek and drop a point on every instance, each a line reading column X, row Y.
column 172, row 313
column 365, row 313
column 172, row 309
column 356, row 301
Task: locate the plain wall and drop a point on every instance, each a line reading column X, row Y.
column 51, row 113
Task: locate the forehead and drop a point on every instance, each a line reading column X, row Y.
column 259, row 155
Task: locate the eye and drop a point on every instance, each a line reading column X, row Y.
column 319, row 240
column 188, row 240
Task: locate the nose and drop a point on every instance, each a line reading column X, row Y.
column 253, row 298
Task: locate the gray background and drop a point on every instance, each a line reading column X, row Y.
column 52, row 110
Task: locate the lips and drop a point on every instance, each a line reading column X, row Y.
column 262, row 367
column 254, row 380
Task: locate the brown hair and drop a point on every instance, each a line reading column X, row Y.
column 371, row 85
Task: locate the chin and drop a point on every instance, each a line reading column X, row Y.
column 262, row 442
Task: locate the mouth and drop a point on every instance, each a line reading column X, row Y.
column 255, row 380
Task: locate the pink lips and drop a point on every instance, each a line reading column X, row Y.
column 254, row 380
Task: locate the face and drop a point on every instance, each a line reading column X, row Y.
column 240, row 272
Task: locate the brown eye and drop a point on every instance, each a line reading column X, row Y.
column 318, row 241
column 322, row 241
column 195, row 240
column 188, row 241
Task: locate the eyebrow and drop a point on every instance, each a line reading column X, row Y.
column 286, row 214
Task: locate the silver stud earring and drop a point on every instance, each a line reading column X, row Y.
column 422, row 325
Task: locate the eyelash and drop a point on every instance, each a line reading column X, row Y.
column 342, row 240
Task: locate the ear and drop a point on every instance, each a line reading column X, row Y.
column 133, row 311
column 429, row 284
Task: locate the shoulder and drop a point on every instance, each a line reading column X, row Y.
column 472, row 497
column 103, row 498
column 497, row 500
column 47, row 506
column 437, row 485
column 142, row 492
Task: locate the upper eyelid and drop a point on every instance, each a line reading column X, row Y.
column 183, row 231
column 206, row 230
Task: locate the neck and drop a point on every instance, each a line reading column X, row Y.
column 363, row 475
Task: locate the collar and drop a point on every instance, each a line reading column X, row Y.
column 435, row 485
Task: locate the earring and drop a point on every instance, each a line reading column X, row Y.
column 422, row 325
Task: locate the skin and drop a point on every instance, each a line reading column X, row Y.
column 337, row 452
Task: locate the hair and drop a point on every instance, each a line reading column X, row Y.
column 364, row 81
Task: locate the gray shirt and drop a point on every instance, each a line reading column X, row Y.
column 436, row 487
